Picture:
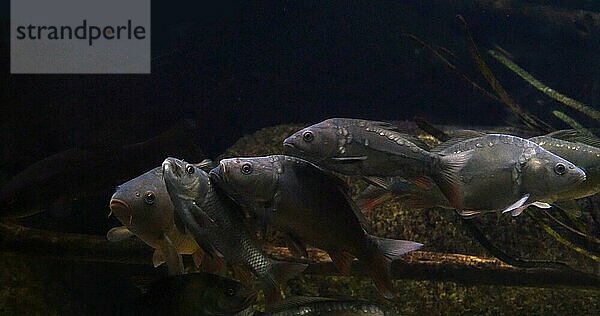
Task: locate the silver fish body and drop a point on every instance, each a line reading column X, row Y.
column 304, row 201
column 191, row 190
column 584, row 156
column 504, row 168
column 361, row 147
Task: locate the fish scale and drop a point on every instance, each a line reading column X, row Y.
column 193, row 192
column 229, row 238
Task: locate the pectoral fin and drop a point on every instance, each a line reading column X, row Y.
column 468, row 214
column 518, row 211
column 349, row 160
column 173, row 259
column 117, row 234
column 198, row 231
column 518, row 207
column 203, row 218
column 158, row 258
column 541, row 204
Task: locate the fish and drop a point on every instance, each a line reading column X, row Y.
column 215, row 219
column 360, row 147
column 194, row 294
column 54, row 182
column 313, row 205
column 356, row 147
column 302, row 305
column 576, row 148
column 144, row 207
column 506, row 173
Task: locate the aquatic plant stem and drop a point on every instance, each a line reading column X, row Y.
column 528, row 119
column 452, row 67
column 561, row 239
column 503, row 256
column 574, row 104
column 572, row 122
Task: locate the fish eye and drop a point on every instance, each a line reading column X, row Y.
column 190, row 169
column 230, row 292
column 149, row 198
column 308, row 136
column 560, row 168
column 246, row 168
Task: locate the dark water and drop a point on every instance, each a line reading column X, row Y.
column 237, row 68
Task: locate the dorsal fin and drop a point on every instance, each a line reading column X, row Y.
column 396, row 130
column 389, row 133
column 457, row 137
column 572, row 135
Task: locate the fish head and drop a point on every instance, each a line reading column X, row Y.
column 228, row 297
column 546, row 174
column 248, row 180
column 184, row 180
column 316, row 142
column 143, row 205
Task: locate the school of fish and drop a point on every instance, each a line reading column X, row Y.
column 204, row 210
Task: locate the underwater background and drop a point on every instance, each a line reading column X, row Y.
column 249, row 75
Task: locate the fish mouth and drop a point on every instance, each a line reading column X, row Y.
column 170, row 166
column 581, row 179
column 119, row 206
column 582, row 176
column 289, row 145
column 217, row 173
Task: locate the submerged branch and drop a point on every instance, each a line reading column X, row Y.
column 419, row 265
column 70, row 246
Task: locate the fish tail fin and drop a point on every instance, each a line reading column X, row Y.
column 373, row 197
column 342, row 261
column 385, row 252
column 278, row 274
column 447, row 175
